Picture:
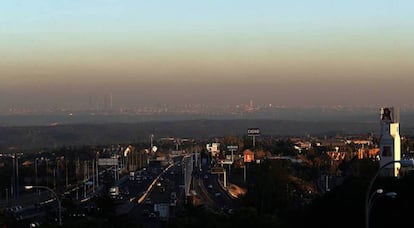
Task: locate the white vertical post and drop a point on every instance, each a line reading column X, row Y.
column 254, row 141
column 231, row 162
column 224, row 179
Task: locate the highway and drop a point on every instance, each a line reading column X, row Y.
column 171, row 181
column 217, row 194
column 145, row 196
column 159, row 192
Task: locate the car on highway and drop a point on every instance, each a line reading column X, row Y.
column 152, row 215
column 145, row 212
column 148, row 201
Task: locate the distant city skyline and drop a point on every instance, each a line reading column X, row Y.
column 62, row 53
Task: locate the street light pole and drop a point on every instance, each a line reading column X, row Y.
column 66, row 172
column 56, row 196
column 93, row 175
column 17, row 177
column 47, row 172
column 151, row 138
column 375, row 195
column 97, row 173
column 369, row 206
column 13, row 180
column 404, row 163
column 36, row 171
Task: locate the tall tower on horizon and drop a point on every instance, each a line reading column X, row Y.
column 108, row 105
column 390, row 141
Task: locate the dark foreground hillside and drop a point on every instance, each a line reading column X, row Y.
column 111, row 133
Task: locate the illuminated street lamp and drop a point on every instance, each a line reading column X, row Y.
column 28, row 187
column 375, row 195
column 369, row 196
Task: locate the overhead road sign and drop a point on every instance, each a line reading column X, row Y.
column 108, row 161
column 232, row 148
column 225, row 162
column 217, row 170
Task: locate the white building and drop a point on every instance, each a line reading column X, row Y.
column 213, row 148
column 390, row 141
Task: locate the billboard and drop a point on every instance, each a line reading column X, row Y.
column 253, row 132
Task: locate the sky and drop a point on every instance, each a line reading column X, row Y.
column 319, row 52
